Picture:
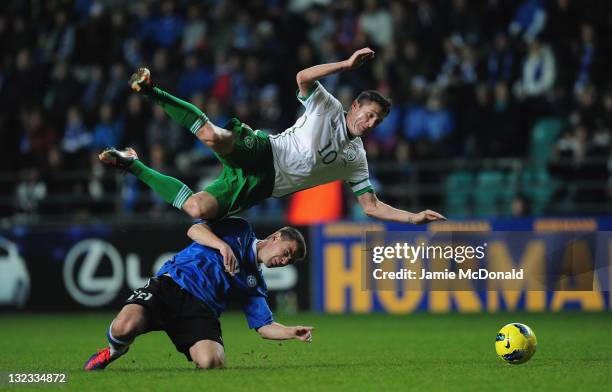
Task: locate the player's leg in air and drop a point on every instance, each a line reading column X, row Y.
column 129, row 323
column 184, row 113
column 245, row 155
column 199, row 205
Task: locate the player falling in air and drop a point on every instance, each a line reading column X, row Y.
column 188, row 294
column 323, row 145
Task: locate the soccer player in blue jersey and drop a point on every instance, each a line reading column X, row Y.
column 190, row 291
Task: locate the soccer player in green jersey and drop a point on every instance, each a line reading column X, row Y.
column 323, row 145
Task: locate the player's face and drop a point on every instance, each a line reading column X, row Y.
column 278, row 252
column 364, row 118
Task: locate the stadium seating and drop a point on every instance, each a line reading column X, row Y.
column 458, row 193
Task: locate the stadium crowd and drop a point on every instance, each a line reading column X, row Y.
column 469, row 79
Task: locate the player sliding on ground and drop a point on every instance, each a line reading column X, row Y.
column 188, row 294
column 323, row 145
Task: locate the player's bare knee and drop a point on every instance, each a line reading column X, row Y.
column 210, row 361
column 207, row 354
column 207, row 134
column 214, row 144
column 218, row 139
column 203, row 364
column 193, row 208
column 219, row 362
column 201, row 205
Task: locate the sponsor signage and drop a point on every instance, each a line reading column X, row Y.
column 533, row 265
column 97, row 267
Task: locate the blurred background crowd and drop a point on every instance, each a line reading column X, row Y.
column 500, row 107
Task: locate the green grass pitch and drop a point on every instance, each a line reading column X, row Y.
column 422, row 352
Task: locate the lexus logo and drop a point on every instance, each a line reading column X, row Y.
column 82, row 262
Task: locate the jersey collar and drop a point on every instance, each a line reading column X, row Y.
column 347, row 133
column 254, row 249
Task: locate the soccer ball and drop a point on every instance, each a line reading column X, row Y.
column 515, row 343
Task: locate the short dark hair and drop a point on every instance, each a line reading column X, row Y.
column 289, row 233
column 377, row 97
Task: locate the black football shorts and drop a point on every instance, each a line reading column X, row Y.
column 172, row 309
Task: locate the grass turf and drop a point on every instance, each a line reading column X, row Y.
column 359, row 352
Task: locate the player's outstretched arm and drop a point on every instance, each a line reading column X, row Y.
column 377, row 209
column 276, row 331
column 203, row 235
column 307, row 77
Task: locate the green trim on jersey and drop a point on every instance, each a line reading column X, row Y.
column 357, row 183
column 361, row 187
column 314, row 87
column 364, row 190
column 248, row 171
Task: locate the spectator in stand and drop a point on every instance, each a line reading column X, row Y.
column 562, row 31
column 539, row 71
column 429, row 25
column 459, row 66
column 429, row 127
column 22, row 81
column 535, row 88
column 63, row 93
column 567, row 157
column 137, row 117
column 77, row 139
column 115, row 91
column 163, row 133
column 166, row 30
column 92, row 92
column 606, row 115
column 321, row 26
column 38, row 138
column 586, row 110
column 162, row 63
column 29, row 191
column 346, row 19
column 477, row 131
column 132, row 52
column 71, row 58
column 595, row 168
column 529, row 20
column 58, row 42
column 270, row 119
column 194, row 34
column 587, row 67
column 500, row 63
column 381, row 144
column 108, row 131
column 117, row 35
column 463, row 20
column 580, row 160
column 376, row 22
column 328, row 54
column 195, row 78
column 507, row 138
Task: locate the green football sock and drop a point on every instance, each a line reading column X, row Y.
column 169, row 188
column 184, row 113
